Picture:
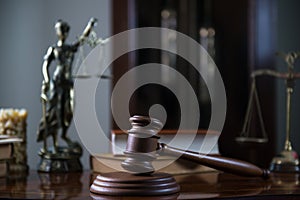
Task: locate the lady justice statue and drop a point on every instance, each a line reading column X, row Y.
column 57, row 103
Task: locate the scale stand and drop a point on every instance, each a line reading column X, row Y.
column 287, row 160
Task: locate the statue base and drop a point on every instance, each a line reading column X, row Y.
column 64, row 159
column 287, row 161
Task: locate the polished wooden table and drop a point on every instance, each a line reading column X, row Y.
column 193, row 186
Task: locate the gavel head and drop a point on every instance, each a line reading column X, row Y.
column 142, row 144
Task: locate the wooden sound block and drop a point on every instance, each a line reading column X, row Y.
column 126, row 184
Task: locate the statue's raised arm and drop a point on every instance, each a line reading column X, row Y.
column 85, row 34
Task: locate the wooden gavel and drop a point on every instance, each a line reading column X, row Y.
column 143, row 146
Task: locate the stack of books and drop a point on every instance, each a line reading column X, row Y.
column 106, row 163
column 6, row 152
column 13, row 136
column 202, row 141
column 110, row 162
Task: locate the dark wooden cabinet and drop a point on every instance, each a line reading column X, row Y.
column 244, row 41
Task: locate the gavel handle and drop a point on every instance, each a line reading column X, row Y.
column 229, row 165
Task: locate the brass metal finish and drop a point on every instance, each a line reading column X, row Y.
column 57, row 102
column 287, row 160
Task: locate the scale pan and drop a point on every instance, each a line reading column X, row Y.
column 251, row 140
column 83, row 76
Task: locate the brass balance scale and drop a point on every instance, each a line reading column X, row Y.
column 93, row 41
column 287, row 160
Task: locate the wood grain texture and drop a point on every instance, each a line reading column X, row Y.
column 193, row 186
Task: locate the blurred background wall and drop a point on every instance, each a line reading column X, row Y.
column 27, row 30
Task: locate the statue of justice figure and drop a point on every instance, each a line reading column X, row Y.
column 57, row 102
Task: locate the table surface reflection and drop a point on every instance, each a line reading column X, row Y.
column 207, row 185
